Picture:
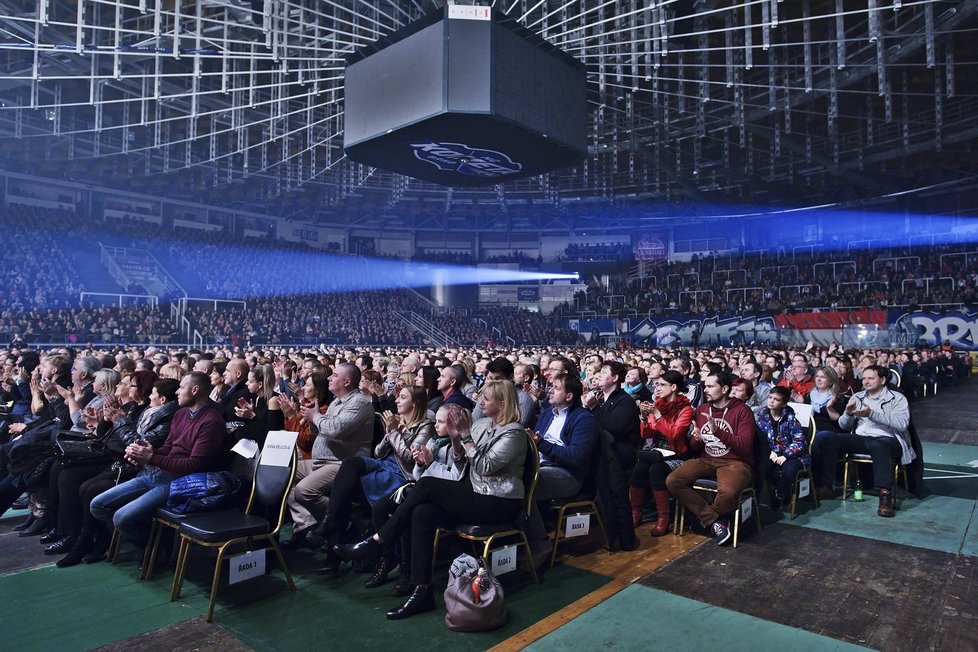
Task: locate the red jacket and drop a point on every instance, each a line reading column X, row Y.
column 802, row 387
column 673, row 426
column 726, row 433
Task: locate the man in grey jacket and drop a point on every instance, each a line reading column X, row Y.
column 346, row 429
column 880, row 420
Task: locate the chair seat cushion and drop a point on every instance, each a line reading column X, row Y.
column 483, row 530
column 557, row 503
column 860, row 456
column 221, row 526
column 168, row 515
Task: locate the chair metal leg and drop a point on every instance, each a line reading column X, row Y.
column 281, row 562
column 114, row 542
column 604, row 533
column 215, row 581
column 757, row 514
column 434, row 551
column 149, row 555
column 794, row 497
column 736, row 527
column 845, row 479
column 182, row 555
column 149, row 565
column 529, row 556
column 560, row 527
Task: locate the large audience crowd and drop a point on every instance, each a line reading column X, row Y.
column 636, row 428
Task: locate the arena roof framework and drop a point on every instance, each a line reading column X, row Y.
column 240, row 102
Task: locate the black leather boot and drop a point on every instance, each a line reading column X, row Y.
column 403, row 586
column 51, row 536
column 319, row 536
column 61, row 546
column 421, row 600
column 367, row 550
column 77, row 553
column 382, row 570
column 29, row 521
column 41, row 525
column 331, row 567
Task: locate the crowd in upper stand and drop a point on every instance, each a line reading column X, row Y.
column 770, row 280
column 38, row 266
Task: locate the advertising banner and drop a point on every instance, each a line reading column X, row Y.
column 652, row 245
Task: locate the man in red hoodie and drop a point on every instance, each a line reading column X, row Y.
column 723, row 441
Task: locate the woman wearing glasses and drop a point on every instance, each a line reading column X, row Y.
column 665, row 427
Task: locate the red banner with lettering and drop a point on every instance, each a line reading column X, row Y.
column 830, row 320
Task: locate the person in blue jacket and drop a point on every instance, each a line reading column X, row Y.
column 566, row 436
column 787, row 443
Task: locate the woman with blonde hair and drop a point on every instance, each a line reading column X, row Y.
column 495, row 449
column 171, row 370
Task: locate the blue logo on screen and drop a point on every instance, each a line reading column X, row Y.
column 473, row 162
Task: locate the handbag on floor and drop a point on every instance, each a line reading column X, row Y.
column 474, row 597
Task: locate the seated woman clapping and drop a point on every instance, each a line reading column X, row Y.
column 664, row 429
column 435, row 460
column 152, row 426
column 264, row 413
column 492, row 492
column 365, row 480
column 85, row 419
column 314, row 392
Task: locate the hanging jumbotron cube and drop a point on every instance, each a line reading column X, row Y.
column 465, row 97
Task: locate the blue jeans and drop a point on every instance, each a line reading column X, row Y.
column 130, row 506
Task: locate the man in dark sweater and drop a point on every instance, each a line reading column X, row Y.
column 723, row 440
column 197, row 442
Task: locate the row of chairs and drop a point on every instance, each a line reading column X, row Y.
column 258, row 523
column 264, row 512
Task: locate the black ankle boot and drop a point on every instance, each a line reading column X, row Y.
column 77, row 553
column 331, row 567
column 50, row 536
column 61, row 546
column 40, row 525
column 403, row 587
column 29, row 521
column 367, row 550
column 320, row 535
column 421, row 600
column 382, row 570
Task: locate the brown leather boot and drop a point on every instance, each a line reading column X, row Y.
column 637, row 497
column 662, row 509
column 886, row 507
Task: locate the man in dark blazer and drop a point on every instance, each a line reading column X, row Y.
column 566, row 436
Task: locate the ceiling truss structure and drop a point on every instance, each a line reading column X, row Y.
column 698, row 102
